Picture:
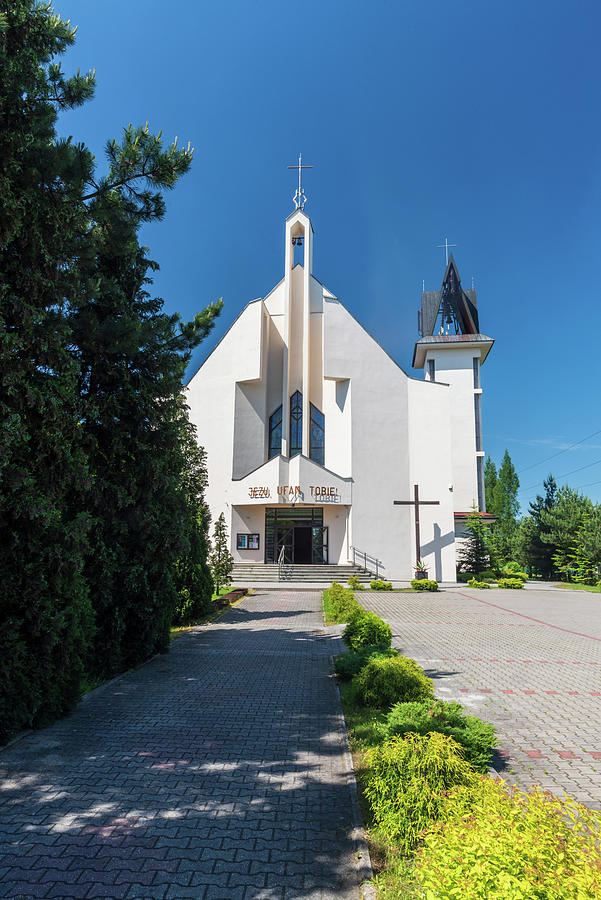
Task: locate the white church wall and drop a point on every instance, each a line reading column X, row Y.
column 338, row 437
column 295, row 350
column 336, row 518
column 379, row 444
column 316, row 360
column 275, row 368
column 454, row 366
column 248, row 520
column 249, row 429
column 431, row 469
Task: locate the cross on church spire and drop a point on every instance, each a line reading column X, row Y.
column 299, row 198
column 446, row 246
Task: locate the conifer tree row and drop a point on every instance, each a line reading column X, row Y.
column 97, row 503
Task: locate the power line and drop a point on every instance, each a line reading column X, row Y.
column 559, row 452
column 565, row 474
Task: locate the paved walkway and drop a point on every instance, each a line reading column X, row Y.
column 217, row 771
column 527, row 661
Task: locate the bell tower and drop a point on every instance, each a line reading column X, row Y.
column 451, row 349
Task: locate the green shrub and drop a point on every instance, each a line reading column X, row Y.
column 354, row 582
column 424, row 584
column 475, row 736
column 487, row 575
column 348, row 664
column 464, row 577
column 365, row 627
column 473, row 582
column 383, row 682
column 378, row 585
column 405, row 781
column 339, row 603
column 511, row 583
column 506, row 845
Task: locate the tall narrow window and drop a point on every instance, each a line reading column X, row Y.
column 478, row 418
column 317, row 437
column 296, row 424
column 275, row 433
column 432, row 370
column 476, row 363
column 480, row 476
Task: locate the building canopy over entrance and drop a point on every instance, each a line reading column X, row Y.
column 300, row 532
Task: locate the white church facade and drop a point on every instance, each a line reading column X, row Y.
column 312, row 431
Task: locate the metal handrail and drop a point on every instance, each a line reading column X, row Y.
column 374, row 562
column 281, row 563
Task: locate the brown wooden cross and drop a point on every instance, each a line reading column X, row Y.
column 416, row 503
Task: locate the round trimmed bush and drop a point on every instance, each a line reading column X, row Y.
column 424, row 584
column 378, row 585
column 514, row 584
column 406, row 780
column 384, row 682
column 475, row 736
column 365, row 627
column 349, row 664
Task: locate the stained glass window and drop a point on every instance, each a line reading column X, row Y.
column 296, row 424
column 317, row 437
column 275, row 433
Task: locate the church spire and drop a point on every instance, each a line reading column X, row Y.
column 451, row 310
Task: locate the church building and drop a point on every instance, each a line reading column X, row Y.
column 319, row 444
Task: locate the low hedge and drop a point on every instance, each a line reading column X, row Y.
column 340, row 602
column 510, row 845
column 349, row 664
column 364, row 628
column 475, row 736
column 473, row 582
column 424, row 584
column 514, row 584
column 378, row 585
column 383, row 682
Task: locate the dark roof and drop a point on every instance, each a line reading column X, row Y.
column 461, row 306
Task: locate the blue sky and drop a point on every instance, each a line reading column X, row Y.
column 423, row 120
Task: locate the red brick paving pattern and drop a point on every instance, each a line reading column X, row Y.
column 529, row 664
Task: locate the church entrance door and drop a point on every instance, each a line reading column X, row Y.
column 303, row 544
column 301, row 534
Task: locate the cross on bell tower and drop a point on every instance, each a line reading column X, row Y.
column 299, row 198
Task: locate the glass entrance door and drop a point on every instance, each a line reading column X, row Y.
column 300, row 532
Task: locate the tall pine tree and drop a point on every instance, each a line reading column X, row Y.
column 45, row 617
column 132, row 357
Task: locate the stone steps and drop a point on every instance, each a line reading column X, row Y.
column 269, row 572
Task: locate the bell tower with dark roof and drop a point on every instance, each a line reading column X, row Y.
column 451, row 350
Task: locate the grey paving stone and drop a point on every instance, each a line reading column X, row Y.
column 202, row 774
column 530, row 664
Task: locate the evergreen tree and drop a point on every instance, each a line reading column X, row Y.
column 93, row 429
column 193, row 580
column 473, row 554
column 132, row 358
column 560, row 526
column 490, row 482
column 221, row 560
column 506, row 507
column 533, row 552
column 45, row 620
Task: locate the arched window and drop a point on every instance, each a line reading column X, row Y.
column 317, row 436
column 296, row 424
column 275, row 433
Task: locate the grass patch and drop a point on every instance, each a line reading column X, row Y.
column 177, row 630
column 590, row 588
